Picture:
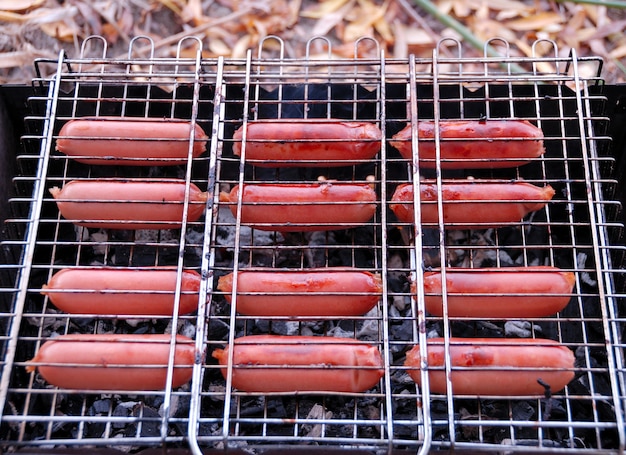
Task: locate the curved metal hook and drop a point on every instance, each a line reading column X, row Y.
column 179, row 47
column 366, row 38
column 456, row 42
column 536, row 55
column 329, row 46
column 138, row 38
column 88, row 41
column 552, row 43
column 489, row 46
column 275, row 38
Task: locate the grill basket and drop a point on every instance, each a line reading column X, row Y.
column 579, row 230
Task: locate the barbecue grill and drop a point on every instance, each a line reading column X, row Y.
column 579, row 230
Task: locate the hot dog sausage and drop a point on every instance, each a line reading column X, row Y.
column 113, row 361
column 122, row 291
column 468, row 204
column 128, row 204
column 274, row 363
column 310, row 292
column 308, row 143
column 511, row 292
column 130, row 141
column 504, row 367
column 303, row 207
column 473, row 144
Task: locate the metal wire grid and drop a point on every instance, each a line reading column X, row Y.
column 395, row 414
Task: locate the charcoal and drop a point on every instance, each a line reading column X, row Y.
column 522, row 411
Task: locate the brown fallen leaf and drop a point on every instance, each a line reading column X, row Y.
column 363, row 21
column 60, row 30
column 323, row 9
column 612, row 28
column 324, row 25
column 19, row 6
column 535, row 22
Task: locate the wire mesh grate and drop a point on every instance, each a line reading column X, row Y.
column 562, row 96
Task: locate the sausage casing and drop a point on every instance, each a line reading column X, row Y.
column 130, row 141
column 128, row 204
column 307, row 143
column 303, row 207
column 275, row 363
column 114, row 291
column 113, row 361
column 510, row 292
column 468, row 204
column 311, row 292
column 495, row 366
column 473, row 144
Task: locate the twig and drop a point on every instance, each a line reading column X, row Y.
column 465, row 33
column 608, row 3
column 408, row 8
column 196, row 31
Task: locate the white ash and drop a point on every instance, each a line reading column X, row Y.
column 226, row 234
column 317, row 412
column 185, row 327
column 173, row 409
column 581, row 260
column 99, row 238
column 520, row 329
column 370, row 328
column 194, row 241
column 340, row 332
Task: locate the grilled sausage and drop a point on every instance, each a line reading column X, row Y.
column 113, row 361
column 310, row 292
column 467, row 204
column 110, row 291
column 473, row 144
column 303, row 207
column 128, row 204
column 497, row 367
column 275, row 363
column 307, row 143
column 510, row 292
column 130, row 141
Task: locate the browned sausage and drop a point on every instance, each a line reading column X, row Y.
column 469, row 204
column 510, row 292
column 308, row 143
column 130, row 141
column 107, row 290
column 274, row 363
column 500, row 367
column 113, row 361
column 128, row 204
column 311, row 292
column 473, row 144
column 303, row 207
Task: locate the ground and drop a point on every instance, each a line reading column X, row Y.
column 41, row 28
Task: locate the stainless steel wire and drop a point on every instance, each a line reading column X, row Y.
column 221, row 95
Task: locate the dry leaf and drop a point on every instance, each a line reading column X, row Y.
column 461, row 9
column 7, row 16
column 192, row 12
column 323, row 26
column 616, row 27
column 511, row 6
column 324, row 8
column 18, row 6
column 363, row 23
column 618, row 52
column 219, row 47
column 541, row 21
column 60, row 30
